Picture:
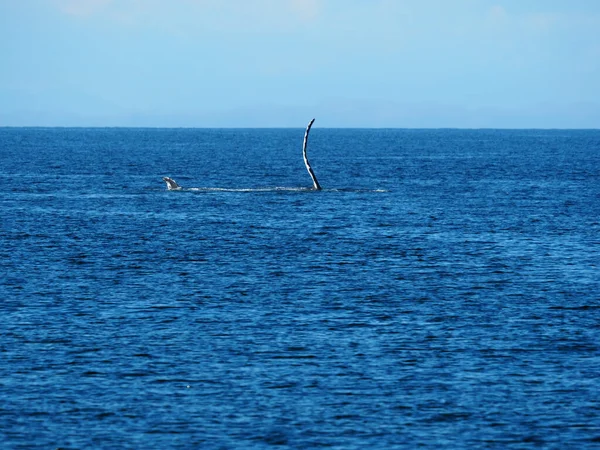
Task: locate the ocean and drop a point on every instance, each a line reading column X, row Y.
column 441, row 291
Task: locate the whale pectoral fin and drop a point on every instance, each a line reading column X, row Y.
column 171, row 184
column 316, row 184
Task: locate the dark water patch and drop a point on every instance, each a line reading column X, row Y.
column 294, row 356
column 575, row 308
column 92, row 373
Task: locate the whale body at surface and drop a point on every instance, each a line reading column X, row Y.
column 171, row 184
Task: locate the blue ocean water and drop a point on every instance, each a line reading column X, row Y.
column 441, row 291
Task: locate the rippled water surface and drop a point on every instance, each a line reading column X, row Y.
column 442, row 291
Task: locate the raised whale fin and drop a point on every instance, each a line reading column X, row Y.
column 171, row 184
column 316, row 184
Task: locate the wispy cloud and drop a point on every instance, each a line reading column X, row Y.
column 497, row 14
column 81, row 8
column 305, row 9
column 234, row 15
column 542, row 20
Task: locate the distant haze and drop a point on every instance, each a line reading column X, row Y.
column 278, row 63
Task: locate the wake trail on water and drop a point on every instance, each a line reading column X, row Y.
column 276, row 189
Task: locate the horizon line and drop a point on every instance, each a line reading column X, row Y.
column 285, row 128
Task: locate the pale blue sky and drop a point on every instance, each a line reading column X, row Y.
column 278, row 63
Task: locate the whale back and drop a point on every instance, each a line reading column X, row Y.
column 171, row 184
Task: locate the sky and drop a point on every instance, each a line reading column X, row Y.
column 279, row 63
